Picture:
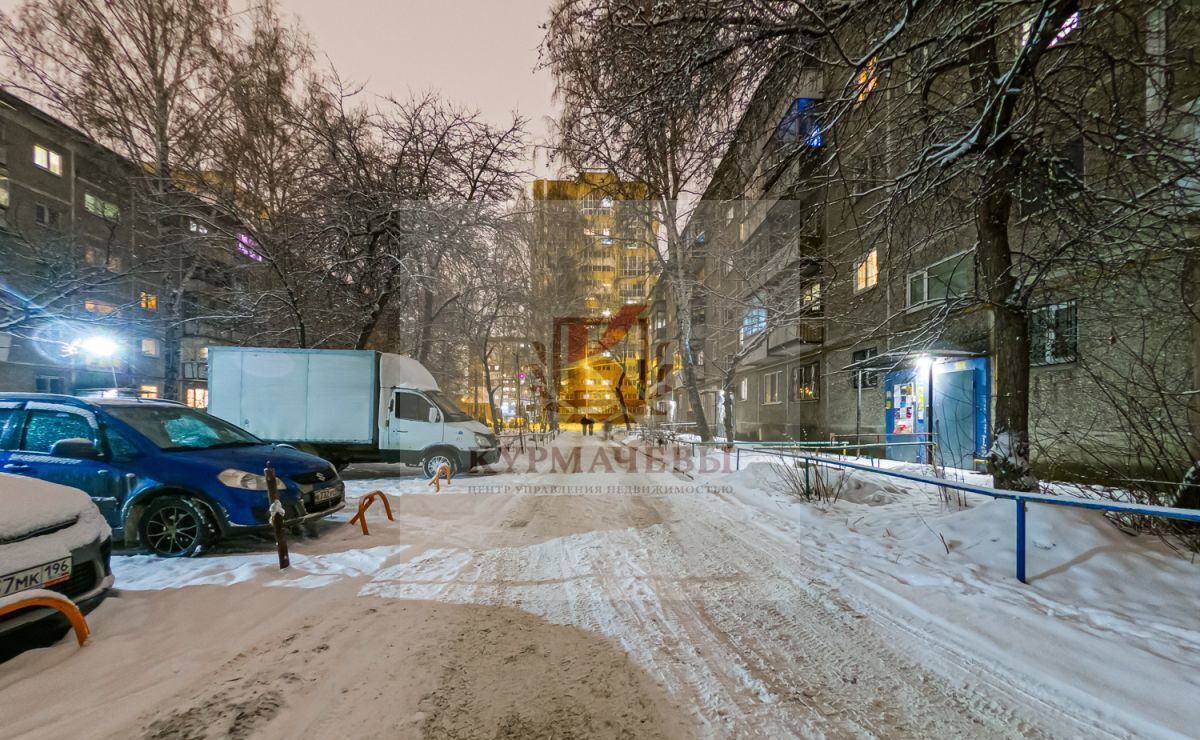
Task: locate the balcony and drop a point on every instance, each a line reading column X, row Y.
column 788, row 341
column 195, row 371
column 797, row 249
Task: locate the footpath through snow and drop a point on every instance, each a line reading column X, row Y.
column 629, row 599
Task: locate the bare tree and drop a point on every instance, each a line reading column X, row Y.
column 141, row 77
column 667, row 145
column 979, row 115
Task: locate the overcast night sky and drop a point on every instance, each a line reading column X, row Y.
column 480, row 53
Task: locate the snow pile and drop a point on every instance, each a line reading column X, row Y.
column 889, row 612
column 33, row 593
column 150, row 573
column 28, row 505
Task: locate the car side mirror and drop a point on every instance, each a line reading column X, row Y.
column 434, row 416
column 76, row 448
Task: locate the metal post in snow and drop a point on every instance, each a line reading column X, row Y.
column 807, row 486
column 738, row 461
column 1021, row 541
column 276, row 515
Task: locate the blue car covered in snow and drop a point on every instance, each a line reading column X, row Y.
column 166, row 476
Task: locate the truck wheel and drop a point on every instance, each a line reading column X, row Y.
column 436, row 460
column 174, row 527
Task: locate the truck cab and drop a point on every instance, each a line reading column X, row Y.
column 424, row 428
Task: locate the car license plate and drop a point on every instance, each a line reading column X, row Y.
column 41, row 576
column 325, row 494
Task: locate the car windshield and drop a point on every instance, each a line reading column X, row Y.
column 451, row 411
column 182, row 428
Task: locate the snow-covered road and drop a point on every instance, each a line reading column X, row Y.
column 616, row 602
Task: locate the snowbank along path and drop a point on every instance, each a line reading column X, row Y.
column 608, row 602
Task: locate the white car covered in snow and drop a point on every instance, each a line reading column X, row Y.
column 51, row 537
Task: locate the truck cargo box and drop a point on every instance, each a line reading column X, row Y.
column 296, row 395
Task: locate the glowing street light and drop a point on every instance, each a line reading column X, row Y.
column 99, row 347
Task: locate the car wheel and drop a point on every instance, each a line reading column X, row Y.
column 174, row 527
column 436, row 460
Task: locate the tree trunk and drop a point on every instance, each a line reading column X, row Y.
column 425, row 334
column 491, row 392
column 1188, row 496
column 679, row 280
column 172, row 358
column 727, row 406
column 684, row 316
column 173, row 337
column 1009, row 457
column 1191, row 271
column 621, row 397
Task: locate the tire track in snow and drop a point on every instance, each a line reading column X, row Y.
column 722, row 618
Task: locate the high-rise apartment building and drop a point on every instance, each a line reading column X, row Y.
column 594, row 258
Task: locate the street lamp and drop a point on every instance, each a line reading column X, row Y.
column 100, row 347
column 925, row 364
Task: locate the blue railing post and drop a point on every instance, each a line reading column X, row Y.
column 1021, row 541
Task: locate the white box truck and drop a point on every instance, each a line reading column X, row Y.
column 346, row 406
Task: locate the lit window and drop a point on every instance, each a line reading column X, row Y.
column 197, row 398
column 800, row 125
column 204, row 354
column 148, row 391
column 197, row 228
column 743, row 389
column 868, row 78
column 99, row 207
column 100, row 307
column 47, row 159
column 754, row 320
column 1068, row 26
column 866, row 271
column 804, row 382
column 810, row 298
column 249, row 247
column 150, row 347
column 148, row 301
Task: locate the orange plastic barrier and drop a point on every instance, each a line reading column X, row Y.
column 68, row 608
column 365, row 503
column 437, row 477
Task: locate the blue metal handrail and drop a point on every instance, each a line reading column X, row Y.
column 1020, row 497
column 819, row 443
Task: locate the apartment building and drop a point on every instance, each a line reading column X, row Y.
column 594, row 272
column 821, row 319
column 74, row 316
column 84, row 271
